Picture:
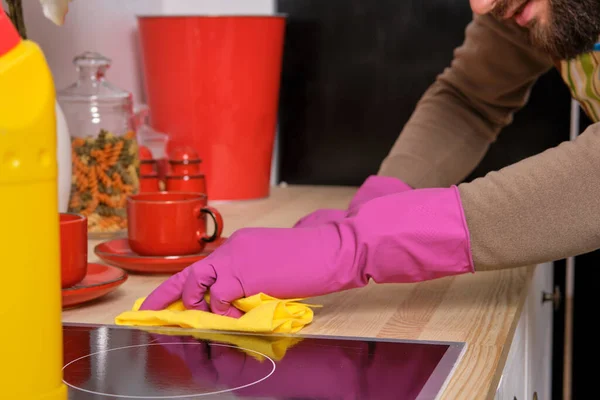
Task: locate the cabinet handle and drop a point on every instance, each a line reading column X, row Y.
column 555, row 297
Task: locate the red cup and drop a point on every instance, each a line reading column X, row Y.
column 186, row 183
column 170, row 223
column 73, row 249
column 149, row 183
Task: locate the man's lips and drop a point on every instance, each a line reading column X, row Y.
column 515, row 10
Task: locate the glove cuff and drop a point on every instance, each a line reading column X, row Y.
column 409, row 237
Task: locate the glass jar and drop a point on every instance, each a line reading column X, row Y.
column 104, row 147
column 149, row 137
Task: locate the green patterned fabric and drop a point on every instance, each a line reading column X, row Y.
column 582, row 75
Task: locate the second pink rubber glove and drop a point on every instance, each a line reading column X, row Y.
column 374, row 186
column 405, row 237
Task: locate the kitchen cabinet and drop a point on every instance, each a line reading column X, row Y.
column 528, row 369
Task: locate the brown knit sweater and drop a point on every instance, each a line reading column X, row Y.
column 544, row 208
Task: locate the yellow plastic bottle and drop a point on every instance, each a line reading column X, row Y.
column 30, row 293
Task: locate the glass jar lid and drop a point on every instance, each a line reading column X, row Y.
column 91, row 84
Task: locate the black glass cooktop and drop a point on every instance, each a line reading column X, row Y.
column 108, row 362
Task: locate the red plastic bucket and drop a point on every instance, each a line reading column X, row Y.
column 212, row 83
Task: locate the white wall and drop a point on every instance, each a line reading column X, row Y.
column 109, row 27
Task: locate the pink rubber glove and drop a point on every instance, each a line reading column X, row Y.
column 374, row 186
column 405, row 237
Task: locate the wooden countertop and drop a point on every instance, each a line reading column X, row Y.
column 480, row 309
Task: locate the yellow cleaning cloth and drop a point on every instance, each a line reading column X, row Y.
column 263, row 314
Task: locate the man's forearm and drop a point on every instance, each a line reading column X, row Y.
column 544, row 208
column 458, row 117
column 441, row 144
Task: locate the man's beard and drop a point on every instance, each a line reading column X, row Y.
column 572, row 28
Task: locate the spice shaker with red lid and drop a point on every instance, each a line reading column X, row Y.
column 184, row 171
column 149, row 178
column 184, row 161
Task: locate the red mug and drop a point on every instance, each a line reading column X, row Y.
column 170, row 223
column 186, row 183
column 73, row 248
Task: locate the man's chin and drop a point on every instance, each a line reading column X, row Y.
column 566, row 54
column 558, row 47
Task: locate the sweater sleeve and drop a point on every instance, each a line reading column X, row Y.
column 463, row 111
column 543, row 208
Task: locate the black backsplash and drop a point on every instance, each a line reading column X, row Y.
column 353, row 71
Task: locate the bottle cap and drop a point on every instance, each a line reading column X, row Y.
column 9, row 37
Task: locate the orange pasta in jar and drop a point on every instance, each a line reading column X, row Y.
column 105, row 172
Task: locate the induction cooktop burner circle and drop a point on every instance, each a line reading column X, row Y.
column 97, row 368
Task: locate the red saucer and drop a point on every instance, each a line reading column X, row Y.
column 118, row 253
column 99, row 280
